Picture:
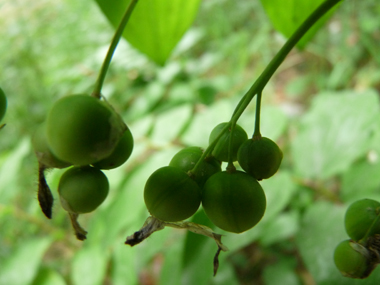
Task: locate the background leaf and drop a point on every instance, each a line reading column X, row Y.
column 286, row 18
column 335, row 133
column 155, row 27
column 22, row 267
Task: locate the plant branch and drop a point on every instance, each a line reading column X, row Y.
column 115, row 40
column 271, row 68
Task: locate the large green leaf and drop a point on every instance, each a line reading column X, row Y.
column 334, row 133
column 155, row 27
column 287, row 16
column 22, row 267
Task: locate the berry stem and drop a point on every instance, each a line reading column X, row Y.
column 256, row 133
column 280, row 56
column 270, row 69
column 230, row 159
column 115, row 40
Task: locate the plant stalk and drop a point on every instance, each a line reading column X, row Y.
column 271, row 68
column 111, row 50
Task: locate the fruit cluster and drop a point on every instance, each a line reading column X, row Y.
column 86, row 133
column 233, row 200
column 358, row 256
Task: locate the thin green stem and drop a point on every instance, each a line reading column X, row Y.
column 115, row 40
column 257, row 133
column 280, row 56
column 209, row 149
column 230, row 158
column 271, row 68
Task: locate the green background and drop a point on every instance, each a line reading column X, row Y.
column 321, row 107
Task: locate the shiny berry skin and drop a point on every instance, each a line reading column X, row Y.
column 352, row 259
column 120, row 154
column 361, row 217
column 221, row 149
column 260, row 157
column 82, row 130
column 82, row 189
column 233, row 201
column 43, row 152
column 171, row 195
column 186, row 159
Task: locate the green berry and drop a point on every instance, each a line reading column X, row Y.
column 171, row 195
column 120, row 154
column 233, row 201
column 82, row 189
column 82, row 130
column 362, row 217
column 221, row 149
column 186, row 159
column 43, row 152
column 3, row 104
column 260, row 157
column 352, row 259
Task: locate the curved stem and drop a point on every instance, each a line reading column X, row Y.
column 280, row 56
column 112, row 48
column 256, row 132
column 271, row 68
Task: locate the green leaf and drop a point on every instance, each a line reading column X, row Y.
column 287, row 16
column 123, row 270
column 362, row 179
column 22, row 267
column 47, row 276
column 89, row 266
column 334, row 133
column 282, row 272
column 155, row 27
column 322, row 229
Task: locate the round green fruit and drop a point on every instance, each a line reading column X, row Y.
column 43, row 152
column 171, row 195
column 233, row 201
column 120, row 154
column 221, row 149
column 361, row 217
column 260, row 157
column 352, row 259
column 186, row 159
column 82, row 130
column 82, row 189
column 3, row 104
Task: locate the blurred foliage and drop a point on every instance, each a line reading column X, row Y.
column 321, row 107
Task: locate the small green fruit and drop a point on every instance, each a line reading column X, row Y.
column 171, row 195
column 82, row 129
column 43, row 152
column 352, row 259
column 221, row 149
column 233, row 201
column 361, row 216
column 3, row 104
column 82, row 189
column 260, row 157
column 120, row 154
column 186, row 159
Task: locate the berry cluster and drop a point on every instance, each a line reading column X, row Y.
column 86, row 133
column 232, row 199
column 357, row 257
